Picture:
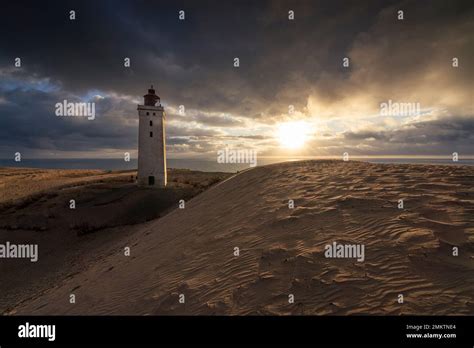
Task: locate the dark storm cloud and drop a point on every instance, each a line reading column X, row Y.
column 172, row 130
column 455, row 134
column 365, row 135
column 190, row 62
column 29, row 122
column 211, row 120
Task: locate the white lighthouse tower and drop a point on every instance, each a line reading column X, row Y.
column 151, row 142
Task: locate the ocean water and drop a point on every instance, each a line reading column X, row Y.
column 120, row 164
column 194, row 164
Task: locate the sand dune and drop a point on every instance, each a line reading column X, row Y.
column 282, row 251
column 18, row 183
column 109, row 207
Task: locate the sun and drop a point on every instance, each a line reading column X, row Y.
column 292, row 135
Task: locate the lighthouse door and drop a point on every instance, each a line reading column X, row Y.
column 151, row 180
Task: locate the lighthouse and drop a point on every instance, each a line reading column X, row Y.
column 151, row 142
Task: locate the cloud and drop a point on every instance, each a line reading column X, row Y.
column 282, row 63
column 455, row 134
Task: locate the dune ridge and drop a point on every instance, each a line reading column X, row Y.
column 191, row 251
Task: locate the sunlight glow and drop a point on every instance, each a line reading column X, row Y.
column 292, row 135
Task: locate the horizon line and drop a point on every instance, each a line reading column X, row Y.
column 263, row 157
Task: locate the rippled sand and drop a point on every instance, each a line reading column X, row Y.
column 191, row 251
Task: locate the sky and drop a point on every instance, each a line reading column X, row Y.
column 291, row 82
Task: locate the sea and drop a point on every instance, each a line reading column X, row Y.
column 198, row 164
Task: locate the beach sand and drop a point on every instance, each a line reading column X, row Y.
column 35, row 209
column 191, row 251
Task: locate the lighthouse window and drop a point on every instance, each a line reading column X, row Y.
column 153, row 114
column 151, row 134
column 147, row 113
column 151, row 123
